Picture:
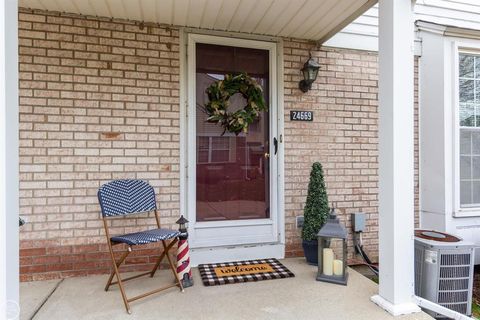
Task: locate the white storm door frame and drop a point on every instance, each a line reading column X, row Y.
column 236, row 232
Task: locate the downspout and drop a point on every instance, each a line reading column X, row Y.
column 427, row 304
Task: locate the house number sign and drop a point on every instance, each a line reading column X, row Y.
column 301, row 115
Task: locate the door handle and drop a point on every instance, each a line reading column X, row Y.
column 275, row 144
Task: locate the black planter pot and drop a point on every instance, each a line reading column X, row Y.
column 310, row 250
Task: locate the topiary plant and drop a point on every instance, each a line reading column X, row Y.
column 316, row 208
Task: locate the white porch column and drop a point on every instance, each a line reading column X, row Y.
column 396, row 171
column 9, row 203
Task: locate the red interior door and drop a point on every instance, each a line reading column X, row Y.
column 232, row 172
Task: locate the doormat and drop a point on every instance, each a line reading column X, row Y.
column 243, row 271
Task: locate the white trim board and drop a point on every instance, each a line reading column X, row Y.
column 9, row 146
column 353, row 41
column 363, row 42
column 238, row 253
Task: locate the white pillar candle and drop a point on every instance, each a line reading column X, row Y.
column 327, row 261
column 338, row 267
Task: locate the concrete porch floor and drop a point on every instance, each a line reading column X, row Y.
column 295, row 298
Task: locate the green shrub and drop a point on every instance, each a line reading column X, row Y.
column 316, row 208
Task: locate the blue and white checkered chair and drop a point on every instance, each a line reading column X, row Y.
column 127, row 197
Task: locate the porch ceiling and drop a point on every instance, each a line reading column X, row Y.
column 304, row 19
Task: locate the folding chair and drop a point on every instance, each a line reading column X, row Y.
column 126, row 197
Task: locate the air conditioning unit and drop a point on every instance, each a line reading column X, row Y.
column 444, row 270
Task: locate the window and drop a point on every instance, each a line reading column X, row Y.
column 214, row 150
column 469, row 124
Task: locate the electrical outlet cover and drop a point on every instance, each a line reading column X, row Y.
column 300, row 220
column 358, row 222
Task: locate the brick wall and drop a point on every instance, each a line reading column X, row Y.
column 99, row 100
column 343, row 137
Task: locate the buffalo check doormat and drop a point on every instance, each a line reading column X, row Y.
column 243, row 271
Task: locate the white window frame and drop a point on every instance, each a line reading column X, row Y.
column 210, row 150
column 468, row 47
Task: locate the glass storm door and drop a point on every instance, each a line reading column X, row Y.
column 230, row 198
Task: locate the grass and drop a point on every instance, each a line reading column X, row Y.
column 475, row 310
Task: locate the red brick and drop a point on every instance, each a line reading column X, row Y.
column 32, row 252
column 33, row 269
column 85, row 248
column 60, row 267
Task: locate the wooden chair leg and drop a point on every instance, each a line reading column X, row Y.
column 160, row 258
column 118, row 263
column 172, row 266
column 119, row 280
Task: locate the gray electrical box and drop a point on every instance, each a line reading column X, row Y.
column 300, row 221
column 358, row 222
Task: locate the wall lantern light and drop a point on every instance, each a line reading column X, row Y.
column 310, row 72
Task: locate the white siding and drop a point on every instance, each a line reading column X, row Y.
column 363, row 32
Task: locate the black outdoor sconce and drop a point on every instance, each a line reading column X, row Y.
column 310, row 72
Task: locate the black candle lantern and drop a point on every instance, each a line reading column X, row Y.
column 332, row 240
column 182, row 225
column 310, row 72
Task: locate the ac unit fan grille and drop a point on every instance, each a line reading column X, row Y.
column 454, row 259
column 452, row 297
column 459, row 307
column 453, row 284
column 454, row 272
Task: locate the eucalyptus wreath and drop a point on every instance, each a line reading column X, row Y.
column 219, row 94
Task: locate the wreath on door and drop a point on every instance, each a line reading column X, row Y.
column 219, row 94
